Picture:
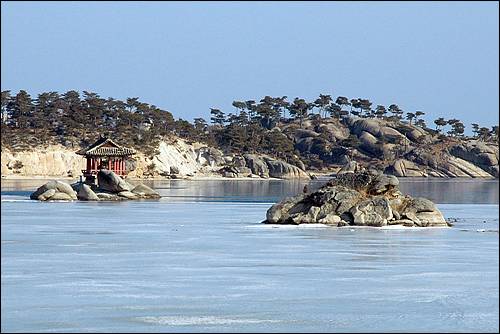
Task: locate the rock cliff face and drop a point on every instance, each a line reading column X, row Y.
column 51, row 161
column 175, row 158
column 478, row 153
column 364, row 198
column 402, row 149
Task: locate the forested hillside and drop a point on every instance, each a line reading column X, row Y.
column 312, row 134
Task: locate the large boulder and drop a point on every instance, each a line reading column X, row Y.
column 412, row 132
column 371, row 126
column 209, row 156
column 54, row 190
column 109, row 181
column 370, row 144
column 404, row 168
column 281, row 211
column 85, row 193
column 334, row 130
column 144, row 191
column 372, row 212
column 366, row 198
column 391, row 135
column 423, row 212
column 478, row 153
column 456, row 167
column 257, row 165
column 283, row 170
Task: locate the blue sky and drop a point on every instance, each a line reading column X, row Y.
column 439, row 57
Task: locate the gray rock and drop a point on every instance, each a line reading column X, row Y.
column 244, row 171
column 404, row 168
column 334, row 130
column 365, row 198
column 405, row 222
column 58, row 187
column 109, row 181
column 350, row 167
column 383, row 183
column 257, row 165
column 85, row 193
column 239, row 161
column 370, row 126
column 372, row 212
column 145, row 191
column 478, row 153
column 283, row 170
column 420, row 204
column 60, row 196
column 210, row 156
column 423, row 213
column 392, row 135
column 342, row 223
column 46, row 195
column 310, row 217
column 108, row 196
column 279, row 212
column 346, row 199
column 434, row 219
column 128, row 194
column 330, row 218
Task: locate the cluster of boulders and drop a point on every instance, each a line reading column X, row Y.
column 253, row 165
column 411, row 150
column 111, row 187
column 479, row 153
column 365, row 198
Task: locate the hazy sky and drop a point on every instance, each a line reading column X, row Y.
column 439, row 57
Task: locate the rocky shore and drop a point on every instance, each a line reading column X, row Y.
column 399, row 149
column 175, row 159
column 364, row 198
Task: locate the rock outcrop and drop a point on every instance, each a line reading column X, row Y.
column 404, row 168
column 54, row 190
column 111, row 187
column 263, row 166
column 54, row 160
column 321, row 144
column 478, row 153
column 109, row 181
column 350, row 167
column 85, row 193
column 365, row 198
column 283, row 170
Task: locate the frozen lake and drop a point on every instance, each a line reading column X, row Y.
column 199, row 260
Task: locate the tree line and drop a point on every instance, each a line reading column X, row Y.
column 77, row 120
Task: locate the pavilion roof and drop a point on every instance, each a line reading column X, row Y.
column 106, row 147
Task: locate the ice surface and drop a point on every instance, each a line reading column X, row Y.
column 191, row 263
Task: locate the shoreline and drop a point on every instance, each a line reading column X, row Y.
column 223, row 178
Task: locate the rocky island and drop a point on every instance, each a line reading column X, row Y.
column 364, row 198
column 111, row 187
